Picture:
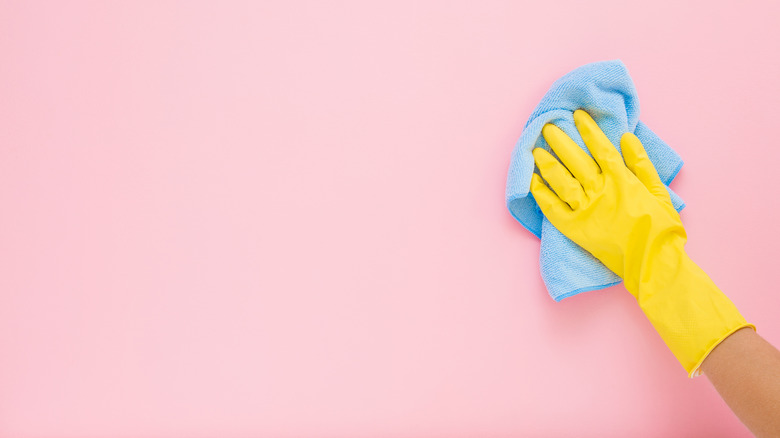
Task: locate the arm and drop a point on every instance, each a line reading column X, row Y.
column 745, row 370
column 616, row 208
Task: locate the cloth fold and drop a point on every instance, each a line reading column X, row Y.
column 606, row 91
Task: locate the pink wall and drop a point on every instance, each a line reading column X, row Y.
column 287, row 219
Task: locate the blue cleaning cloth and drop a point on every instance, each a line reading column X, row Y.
column 607, row 93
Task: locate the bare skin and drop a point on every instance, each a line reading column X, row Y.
column 745, row 370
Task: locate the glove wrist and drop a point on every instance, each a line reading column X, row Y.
column 688, row 310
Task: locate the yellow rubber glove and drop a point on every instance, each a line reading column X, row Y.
column 622, row 214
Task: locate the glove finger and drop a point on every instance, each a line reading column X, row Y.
column 579, row 163
column 552, row 206
column 566, row 187
column 640, row 165
column 597, row 142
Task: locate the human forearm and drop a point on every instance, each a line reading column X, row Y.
column 745, row 370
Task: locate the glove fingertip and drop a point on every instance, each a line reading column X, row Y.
column 631, row 143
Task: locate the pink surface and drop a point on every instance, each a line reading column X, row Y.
column 287, row 219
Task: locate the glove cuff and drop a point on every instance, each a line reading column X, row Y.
column 687, row 309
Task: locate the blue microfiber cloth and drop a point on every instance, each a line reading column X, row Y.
column 607, row 93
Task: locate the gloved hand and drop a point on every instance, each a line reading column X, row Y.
column 622, row 214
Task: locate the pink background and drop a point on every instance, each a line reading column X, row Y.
column 287, row 219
